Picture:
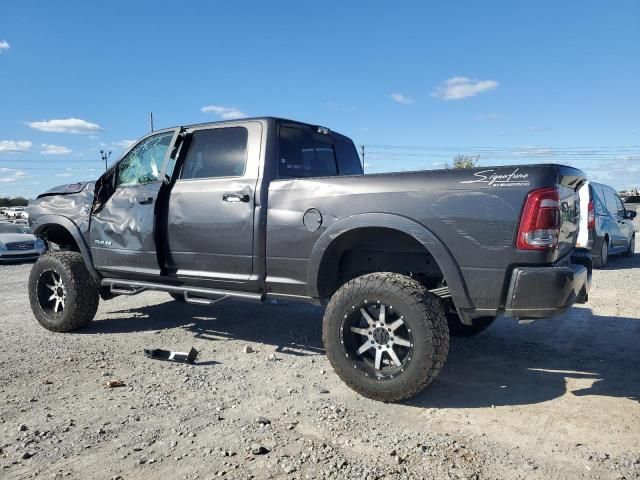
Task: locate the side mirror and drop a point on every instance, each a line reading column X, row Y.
column 630, row 214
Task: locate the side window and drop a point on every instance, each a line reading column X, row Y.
column 610, row 200
column 144, row 162
column 348, row 159
column 216, row 152
column 619, row 206
column 303, row 155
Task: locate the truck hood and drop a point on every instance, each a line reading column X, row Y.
column 73, row 201
column 66, row 189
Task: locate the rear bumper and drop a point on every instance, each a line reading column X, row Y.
column 542, row 292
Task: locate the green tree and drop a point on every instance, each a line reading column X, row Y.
column 464, row 161
column 19, row 202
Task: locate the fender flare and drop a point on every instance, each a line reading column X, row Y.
column 47, row 220
column 417, row 231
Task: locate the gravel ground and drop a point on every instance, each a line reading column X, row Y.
column 555, row 399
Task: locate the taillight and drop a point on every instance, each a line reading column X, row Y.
column 540, row 222
column 591, row 217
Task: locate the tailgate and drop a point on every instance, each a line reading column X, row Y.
column 569, row 182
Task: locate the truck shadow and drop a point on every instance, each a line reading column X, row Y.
column 508, row 364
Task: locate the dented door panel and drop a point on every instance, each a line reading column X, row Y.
column 122, row 232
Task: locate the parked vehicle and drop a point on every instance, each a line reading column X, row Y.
column 269, row 208
column 16, row 212
column 632, row 200
column 18, row 245
column 610, row 225
column 23, row 224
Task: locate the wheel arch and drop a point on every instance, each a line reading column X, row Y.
column 62, row 227
column 431, row 244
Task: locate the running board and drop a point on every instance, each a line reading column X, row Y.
column 442, row 292
column 201, row 295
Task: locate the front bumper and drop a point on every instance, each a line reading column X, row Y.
column 19, row 255
column 542, row 292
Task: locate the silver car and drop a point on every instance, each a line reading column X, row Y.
column 17, row 245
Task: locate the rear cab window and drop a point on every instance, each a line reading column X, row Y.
column 305, row 152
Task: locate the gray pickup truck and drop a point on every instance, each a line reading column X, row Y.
column 268, row 208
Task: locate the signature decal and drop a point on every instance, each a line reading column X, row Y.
column 513, row 179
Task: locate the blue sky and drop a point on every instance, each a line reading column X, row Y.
column 515, row 82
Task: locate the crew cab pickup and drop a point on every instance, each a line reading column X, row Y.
column 269, row 208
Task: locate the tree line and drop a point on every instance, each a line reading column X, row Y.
column 13, row 202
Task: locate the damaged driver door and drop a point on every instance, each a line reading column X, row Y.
column 123, row 224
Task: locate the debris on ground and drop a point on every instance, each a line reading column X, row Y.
column 114, row 384
column 183, row 357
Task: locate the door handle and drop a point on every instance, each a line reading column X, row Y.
column 146, row 201
column 235, row 197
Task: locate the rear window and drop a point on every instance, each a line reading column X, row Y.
column 348, row 159
column 217, row 152
column 304, row 154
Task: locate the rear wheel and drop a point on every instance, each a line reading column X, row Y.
column 385, row 336
column 601, row 260
column 631, row 250
column 62, row 292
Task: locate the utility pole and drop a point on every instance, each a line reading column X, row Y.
column 105, row 156
column 362, row 147
column 151, row 121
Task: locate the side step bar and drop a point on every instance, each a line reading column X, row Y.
column 442, row 292
column 192, row 294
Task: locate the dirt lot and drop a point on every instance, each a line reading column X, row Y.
column 556, row 399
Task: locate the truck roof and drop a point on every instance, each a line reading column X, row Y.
column 236, row 120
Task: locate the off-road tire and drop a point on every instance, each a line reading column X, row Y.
column 459, row 329
column 601, row 260
column 631, row 250
column 423, row 313
column 82, row 293
column 178, row 297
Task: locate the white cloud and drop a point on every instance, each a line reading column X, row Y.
column 13, row 175
column 14, row 146
column 531, row 151
column 401, row 98
column 48, row 149
column 124, row 143
column 457, row 88
column 63, row 174
column 227, row 113
column 4, row 45
column 492, row 116
column 66, row 125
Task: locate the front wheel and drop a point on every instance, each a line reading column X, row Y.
column 631, row 249
column 385, row 336
column 62, row 293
